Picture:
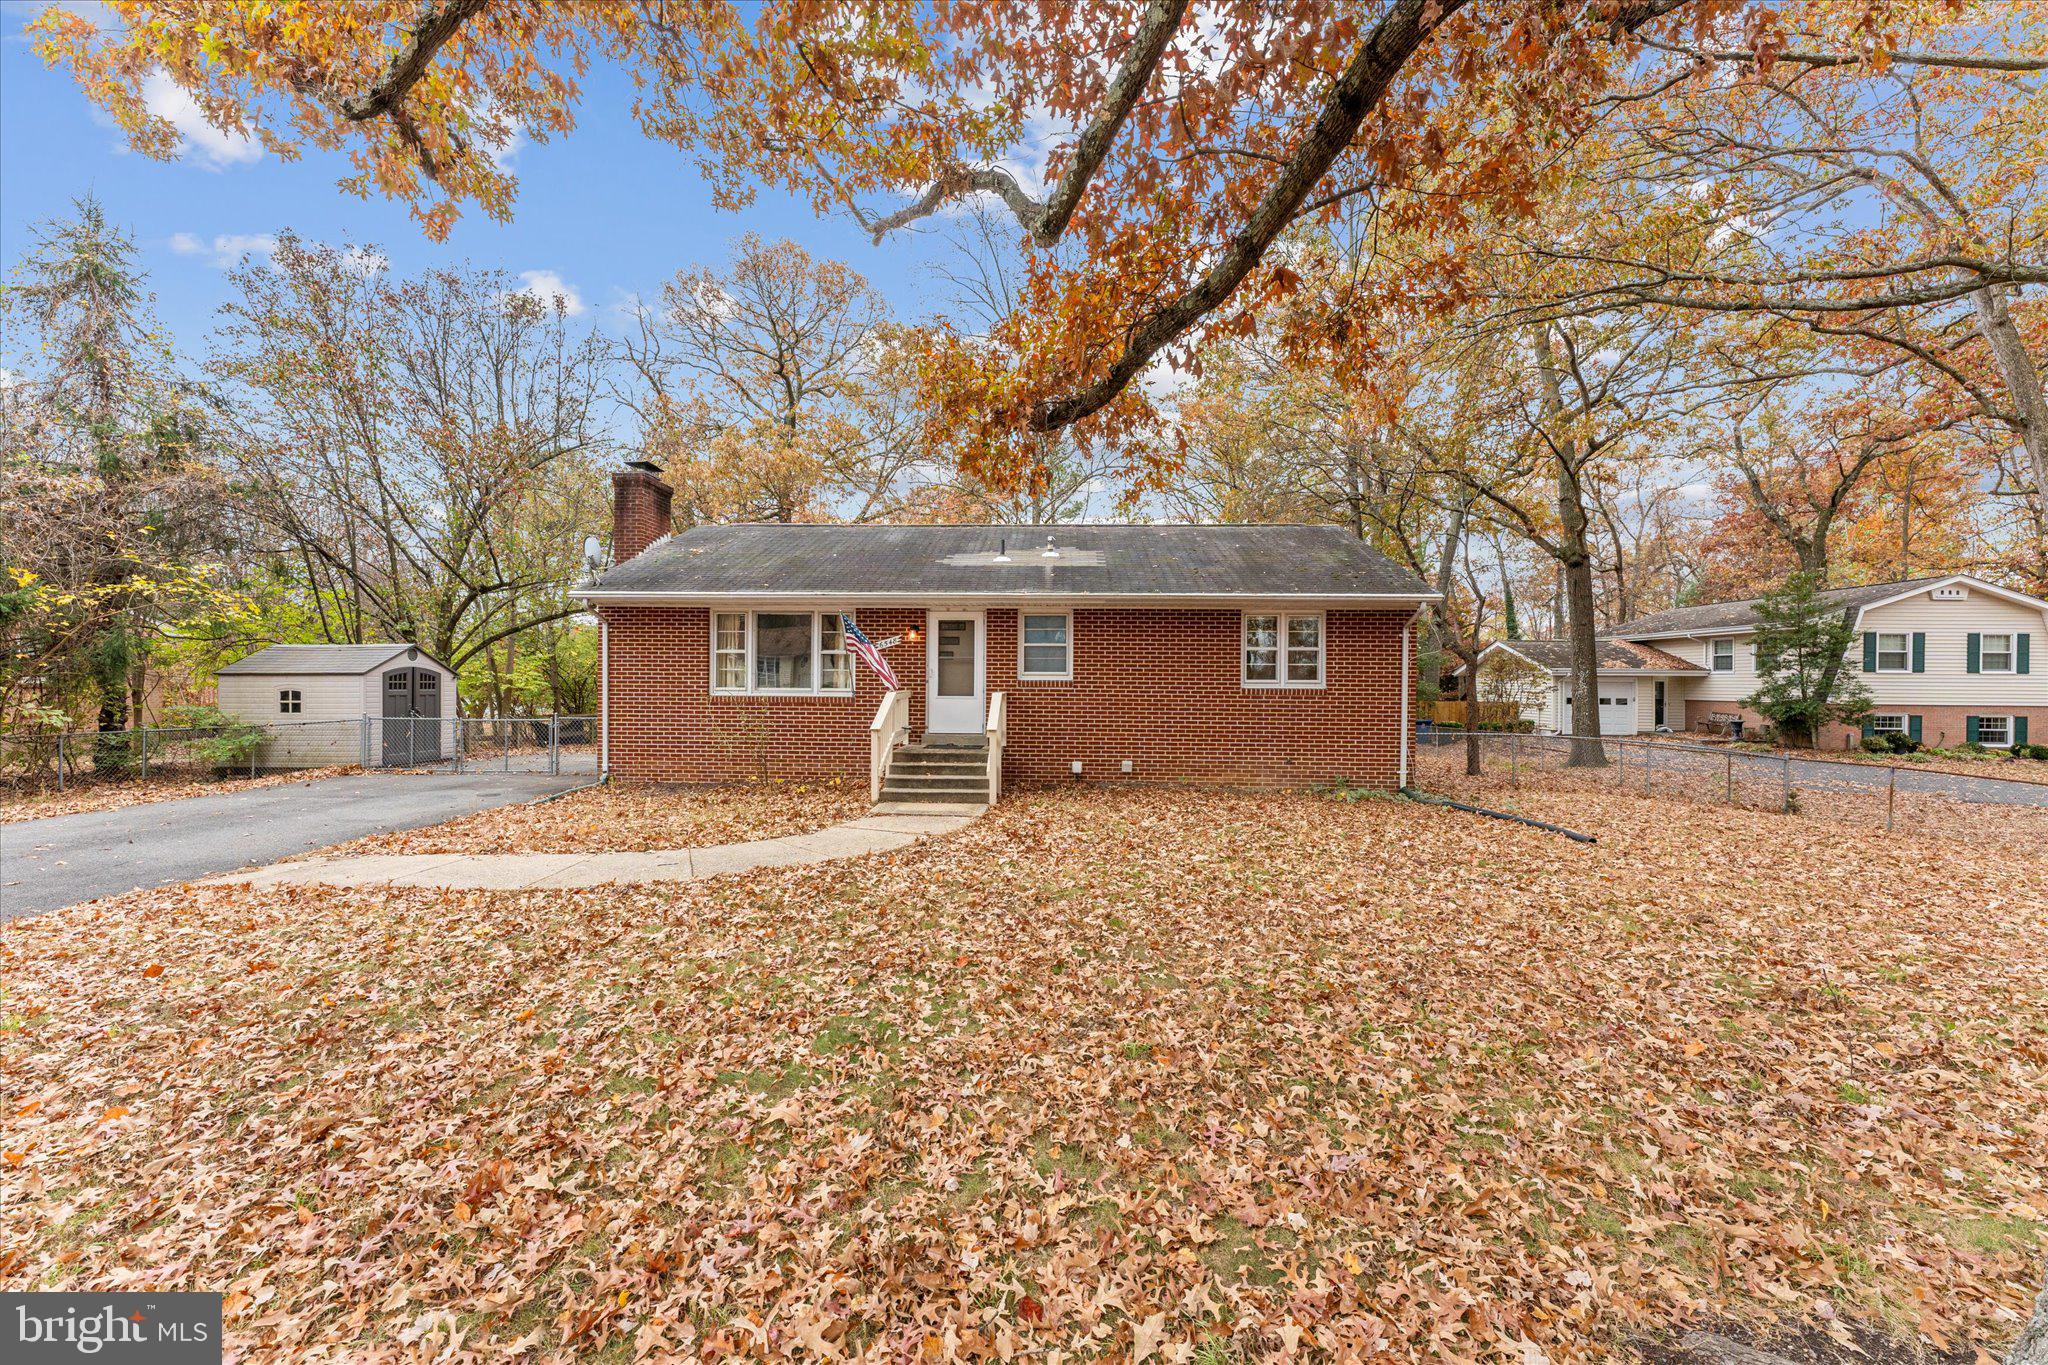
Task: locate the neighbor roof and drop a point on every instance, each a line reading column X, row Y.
column 1741, row 615
column 916, row 563
column 1614, row 656
column 305, row 659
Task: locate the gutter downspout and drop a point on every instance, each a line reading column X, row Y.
column 604, row 698
column 1407, row 689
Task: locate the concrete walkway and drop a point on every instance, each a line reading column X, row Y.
column 874, row 833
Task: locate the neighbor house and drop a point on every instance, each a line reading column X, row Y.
column 1947, row 659
column 1208, row 654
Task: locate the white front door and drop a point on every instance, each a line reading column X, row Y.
column 955, row 673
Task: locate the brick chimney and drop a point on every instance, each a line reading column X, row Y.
column 640, row 508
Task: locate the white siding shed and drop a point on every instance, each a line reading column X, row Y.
column 326, row 705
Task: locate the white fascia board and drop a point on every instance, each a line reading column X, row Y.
column 974, row 601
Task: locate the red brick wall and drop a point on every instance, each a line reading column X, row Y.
column 1941, row 727
column 1157, row 686
column 641, row 512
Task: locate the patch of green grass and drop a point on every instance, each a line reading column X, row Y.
column 1994, row 1236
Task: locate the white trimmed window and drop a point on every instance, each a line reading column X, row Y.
column 1994, row 732
column 729, row 651
column 1892, row 724
column 1722, row 654
column 1994, row 655
column 1045, row 648
column 290, row 701
column 798, row 652
column 1894, row 652
column 1283, row 649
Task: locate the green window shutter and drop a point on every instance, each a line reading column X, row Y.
column 1913, row 728
column 1870, row 729
column 1919, row 651
column 2019, row 730
column 1976, row 653
column 1969, row 729
column 2022, row 659
column 1870, row 651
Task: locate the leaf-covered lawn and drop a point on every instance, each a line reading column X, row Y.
column 89, row 796
column 1104, row 1075
column 631, row 818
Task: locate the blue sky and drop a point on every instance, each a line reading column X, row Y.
column 606, row 211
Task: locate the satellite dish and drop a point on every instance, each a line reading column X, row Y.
column 593, row 554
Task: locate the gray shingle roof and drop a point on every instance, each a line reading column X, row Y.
column 318, row 659
column 852, row 562
column 1741, row 615
column 1620, row 656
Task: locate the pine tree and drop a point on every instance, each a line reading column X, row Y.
column 1802, row 641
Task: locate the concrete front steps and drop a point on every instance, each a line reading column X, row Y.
column 940, row 775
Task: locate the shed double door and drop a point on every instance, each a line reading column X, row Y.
column 412, row 717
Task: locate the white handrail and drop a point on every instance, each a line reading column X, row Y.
column 890, row 728
column 998, row 728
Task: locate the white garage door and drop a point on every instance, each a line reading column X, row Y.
column 1617, row 712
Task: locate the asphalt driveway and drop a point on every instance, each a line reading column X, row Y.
column 60, row 861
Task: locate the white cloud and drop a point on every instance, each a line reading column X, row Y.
column 201, row 142
column 552, row 291
column 224, row 249
column 362, row 261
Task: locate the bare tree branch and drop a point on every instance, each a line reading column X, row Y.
column 1047, row 220
column 1823, row 59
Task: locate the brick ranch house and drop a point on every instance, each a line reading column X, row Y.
column 1253, row 655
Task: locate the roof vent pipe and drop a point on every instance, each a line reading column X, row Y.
column 1003, row 550
column 1049, row 552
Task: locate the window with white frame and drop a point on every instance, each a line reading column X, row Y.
column 1994, row 654
column 1994, row 732
column 1283, row 649
column 1894, row 652
column 1723, row 656
column 1046, row 649
column 1888, row 724
column 290, row 701
column 780, row 651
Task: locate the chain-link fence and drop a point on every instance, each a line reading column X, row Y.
column 511, row 744
column 59, row 761
column 1873, row 795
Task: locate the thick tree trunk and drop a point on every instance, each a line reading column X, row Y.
column 2023, row 380
column 1585, row 669
column 2032, row 1346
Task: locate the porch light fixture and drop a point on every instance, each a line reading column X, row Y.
column 913, row 635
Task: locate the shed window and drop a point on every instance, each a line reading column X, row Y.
column 1047, row 647
column 1283, row 650
column 780, row 651
column 289, row 701
column 428, row 682
column 394, row 682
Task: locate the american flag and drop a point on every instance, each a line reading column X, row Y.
column 869, row 655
